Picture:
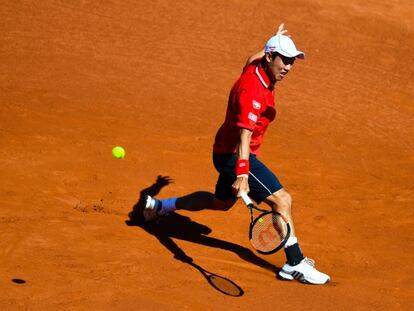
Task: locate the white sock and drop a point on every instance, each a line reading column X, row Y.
column 292, row 240
column 167, row 206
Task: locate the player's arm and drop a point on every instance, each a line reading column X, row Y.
column 280, row 31
column 256, row 55
column 241, row 183
column 243, row 150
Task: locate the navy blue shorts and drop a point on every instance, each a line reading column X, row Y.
column 262, row 181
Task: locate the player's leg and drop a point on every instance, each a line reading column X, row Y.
column 223, row 198
column 281, row 202
column 195, row 201
column 201, row 200
column 265, row 187
column 297, row 266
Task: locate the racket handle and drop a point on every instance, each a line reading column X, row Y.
column 246, row 199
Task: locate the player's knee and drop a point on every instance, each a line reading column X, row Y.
column 281, row 201
column 286, row 199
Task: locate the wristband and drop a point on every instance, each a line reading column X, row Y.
column 242, row 168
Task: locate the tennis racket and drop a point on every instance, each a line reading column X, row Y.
column 269, row 231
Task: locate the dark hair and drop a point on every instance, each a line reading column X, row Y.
column 273, row 55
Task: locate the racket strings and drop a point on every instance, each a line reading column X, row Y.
column 268, row 232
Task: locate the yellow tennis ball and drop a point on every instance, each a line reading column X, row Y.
column 118, row 152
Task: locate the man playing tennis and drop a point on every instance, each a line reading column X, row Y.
column 237, row 143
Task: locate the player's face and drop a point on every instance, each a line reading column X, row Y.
column 280, row 66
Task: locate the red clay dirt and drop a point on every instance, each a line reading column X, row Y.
column 79, row 77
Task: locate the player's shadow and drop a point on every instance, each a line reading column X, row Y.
column 182, row 227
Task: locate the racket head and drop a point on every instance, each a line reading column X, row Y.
column 269, row 232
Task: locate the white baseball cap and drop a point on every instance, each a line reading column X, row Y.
column 283, row 45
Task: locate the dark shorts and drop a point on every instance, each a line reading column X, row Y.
column 262, row 181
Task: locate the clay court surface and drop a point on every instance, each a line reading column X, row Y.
column 80, row 77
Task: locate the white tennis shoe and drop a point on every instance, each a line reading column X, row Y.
column 150, row 211
column 305, row 272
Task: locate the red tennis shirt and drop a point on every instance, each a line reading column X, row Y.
column 250, row 106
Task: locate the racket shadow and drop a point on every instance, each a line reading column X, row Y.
column 162, row 231
column 220, row 283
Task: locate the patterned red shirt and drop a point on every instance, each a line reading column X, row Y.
column 250, row 106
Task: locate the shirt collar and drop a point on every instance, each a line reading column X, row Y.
column 263, row 77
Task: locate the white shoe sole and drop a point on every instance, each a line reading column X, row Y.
column 285, row 276
column 298, row 276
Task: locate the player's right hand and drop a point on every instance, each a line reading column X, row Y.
column 240, row 185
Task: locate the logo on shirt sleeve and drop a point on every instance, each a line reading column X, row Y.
column 252, row 116
column 256, row 104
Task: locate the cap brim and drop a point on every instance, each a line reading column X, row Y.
column 298, row 54
column 301, row 55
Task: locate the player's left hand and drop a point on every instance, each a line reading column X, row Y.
column 281, row 29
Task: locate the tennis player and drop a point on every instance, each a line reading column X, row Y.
column 250, row 110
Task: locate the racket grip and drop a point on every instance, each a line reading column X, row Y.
column 246, row 199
